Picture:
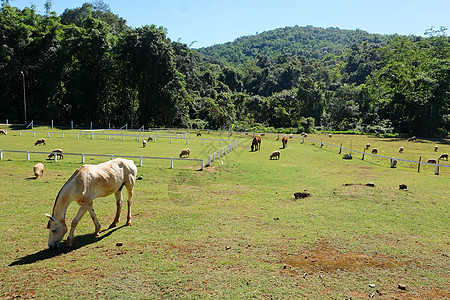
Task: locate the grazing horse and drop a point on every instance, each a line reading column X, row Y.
column 87, row 183
column 256, row 143
column 284, row 141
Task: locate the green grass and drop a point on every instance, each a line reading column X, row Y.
column 233, row 231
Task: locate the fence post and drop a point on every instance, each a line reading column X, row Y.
column 91, row 125
column 171, row 140
column 209, row 160
column 363, row 154
column 321, row 143
column 340, row 149
column 63, row 135
column 71, row 124
column 28, row 155
column 55, row 157
column 187, row 140
column 1, row 154
column 78, row 136
column 140, row 162
column 82, row 158
column 48, row 134
column 171, row 163
column 20, row 133
column 34, row 133
column 52, row 124
column 436, row 171
column 418, row 165
column 112, row 157
column 203, row 164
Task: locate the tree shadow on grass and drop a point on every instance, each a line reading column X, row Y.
column 78, row 242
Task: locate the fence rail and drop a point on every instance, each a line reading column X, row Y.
column 111, row 156
column 376, row 155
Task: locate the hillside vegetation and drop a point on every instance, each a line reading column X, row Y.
column 88, row 65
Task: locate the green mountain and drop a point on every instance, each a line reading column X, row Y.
column 306, row 42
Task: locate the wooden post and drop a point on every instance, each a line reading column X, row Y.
column 418, row 167
column 340, row 149
column 363, row 154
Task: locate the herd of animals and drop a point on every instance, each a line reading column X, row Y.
column 93, row 181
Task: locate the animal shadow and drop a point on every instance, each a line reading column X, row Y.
column 78, row 242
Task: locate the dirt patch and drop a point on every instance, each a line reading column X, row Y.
column 325, row 258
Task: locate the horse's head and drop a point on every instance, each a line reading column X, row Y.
column 57, row 230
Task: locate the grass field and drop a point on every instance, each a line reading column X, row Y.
column 233, row 230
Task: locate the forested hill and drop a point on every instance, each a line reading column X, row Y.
column 307, row 42
column 88, row 65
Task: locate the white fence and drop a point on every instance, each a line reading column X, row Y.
column 221, row 152
column 110, row 156
column 376, row 155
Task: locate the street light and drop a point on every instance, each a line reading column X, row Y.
column 24, row 98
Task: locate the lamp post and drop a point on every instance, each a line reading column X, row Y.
column 24, row 98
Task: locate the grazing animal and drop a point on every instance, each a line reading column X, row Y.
column 444, row 156
column 144, row 143
column 436, row 148
column 39, row 142
column 304, row 134
column 367, row 146
column 400, row 150
column 393, row 163
column 256, row 143
column 284, row 141
column 431, row 161
column 38, row 170
column 150, row 138
column 2, row 132
column 87, row 183
column 330, row 135
column 185, row 152
column 374, row 151
column 412, row 139
column 275, row 154
column 58, row 152
column 199, row 133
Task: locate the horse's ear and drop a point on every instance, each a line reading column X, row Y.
column 50, row 217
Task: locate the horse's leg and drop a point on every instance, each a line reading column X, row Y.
column 98, row 227
column 119, row 201
column 80, row 214
column 130, row 186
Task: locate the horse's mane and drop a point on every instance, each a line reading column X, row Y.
column 70, row 179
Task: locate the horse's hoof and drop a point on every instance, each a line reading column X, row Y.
column 112, row 226
column 128, row 223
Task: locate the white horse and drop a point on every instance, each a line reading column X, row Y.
column 87, row 183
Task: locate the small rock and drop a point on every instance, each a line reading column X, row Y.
column 119, row 244
column 403, row 187
column 402, row 287
column 347, row 156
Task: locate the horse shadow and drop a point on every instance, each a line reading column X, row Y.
column 78, row 242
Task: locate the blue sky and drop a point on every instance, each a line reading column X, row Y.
column 216, row 22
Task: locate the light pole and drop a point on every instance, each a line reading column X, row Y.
column 24, row 98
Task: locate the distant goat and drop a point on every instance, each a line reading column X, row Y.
column 150, row 138
column 275, row 154
column 39, row 142
column 38, row 170
column 144, row 143
column 374, row 151
column 185, row 152
column 367, row 146
column 444, row 156
column 436, row 148
column 58, row 152
column 400, row 150
column 412, row 139
column 431, row 161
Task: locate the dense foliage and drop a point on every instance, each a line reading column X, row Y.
column 88, row 65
